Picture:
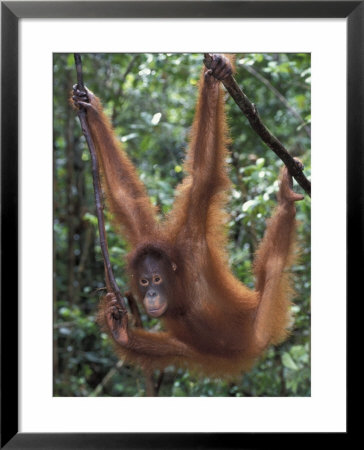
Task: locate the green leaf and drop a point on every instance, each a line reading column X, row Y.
column 288, row 362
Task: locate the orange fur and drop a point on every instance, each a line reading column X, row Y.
column 215, row 324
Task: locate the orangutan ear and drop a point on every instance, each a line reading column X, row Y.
column 174, row 266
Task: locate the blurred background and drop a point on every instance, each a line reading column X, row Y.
column 150, row 99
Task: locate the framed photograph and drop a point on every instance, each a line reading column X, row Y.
column 52, row 367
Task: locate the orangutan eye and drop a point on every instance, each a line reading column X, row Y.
column 157, row 279
column 144, row 282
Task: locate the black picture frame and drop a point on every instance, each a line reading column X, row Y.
column 11, row 12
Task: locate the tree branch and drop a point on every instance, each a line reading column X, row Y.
column 110, row 279
column 107, row 378
column 251, row 112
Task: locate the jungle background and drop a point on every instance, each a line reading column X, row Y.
column 150, row 99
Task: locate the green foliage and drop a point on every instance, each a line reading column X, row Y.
column 151, row 99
